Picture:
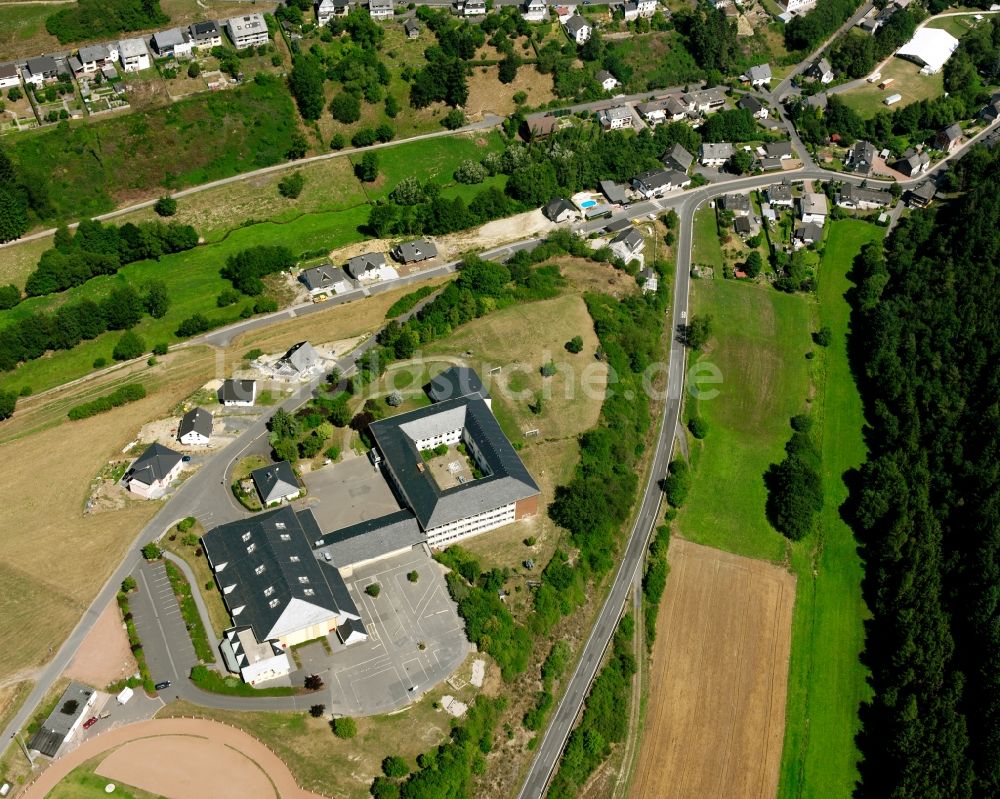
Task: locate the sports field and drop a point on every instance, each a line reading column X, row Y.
column 718, row 677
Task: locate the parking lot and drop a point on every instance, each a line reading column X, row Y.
column 346, row 493
column 390, row 669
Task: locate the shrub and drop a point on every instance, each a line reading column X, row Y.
column 129, row 584
column 677, row 482
column 367, row 169
column 823, row 337
column 8, row 401
column 227, row 297
column 129, row 392
column 152, row 551
column 344, row 727
column 165, row 206
column 373, row 589
column 394, row 766
column 575, row 345
column 454, row 119
column 129, row 346
column 698, row 427
column 470, row 172
column 186, row 524
column 338, row 142
column 290, row 186
column 100, row 362
column 346, row 107
column 413, row 576
column 394, row 400
column 193, row 325
column 548, row 369
column 317, row 710
column 194, row 69
column 161, row 348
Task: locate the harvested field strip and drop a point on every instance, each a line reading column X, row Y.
column 719, row 673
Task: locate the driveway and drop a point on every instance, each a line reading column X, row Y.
column 346, row 493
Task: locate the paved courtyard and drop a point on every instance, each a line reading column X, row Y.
column 346, row 493
column 377, row 675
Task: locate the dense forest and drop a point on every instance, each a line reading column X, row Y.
column 90, row 19
column 926, row 504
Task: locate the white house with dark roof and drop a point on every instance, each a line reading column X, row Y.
column 948, row 139
column 153, row 471
column 205, row 34
column 65, row 720
column 534, row 10
column 94, row 56
column 715, row 154
column 678, row 158
column 369, row 266
column 782, row 150
column 40, row 70
column 238, row 393
column 381, row 9
column 173, row 42
column 861, row 158
column 560, row 209
column 813, row 208
column 649, row 280
column 195, row 428
column 411, row 28
column 759, row 75
column 821, row 70
column 628, row 244
column 578, row 29
column 249, row 30
column 780, row 194
column 653, row 183
column 276, row 483
column 705, row 101
column 474, row 8
column 913, row 163
column 134, row 55
column 9, row 76
column 411, row 252
column 863, row 199
column 607, row 81
column 619, row 116
column 325, row 279
column 750, row 103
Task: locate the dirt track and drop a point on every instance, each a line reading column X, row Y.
column 152, row 750
column 718, row 679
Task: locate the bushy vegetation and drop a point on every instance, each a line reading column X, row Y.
column 102, row 249
column 92, row 19
column 807, row 30
column 129, row 392
column 14, row 201
column 408, row 302
column 677, row 483
column 246, row 268
column 925, row 345
column 654, row 581
column 795, row 486
column 605, row 717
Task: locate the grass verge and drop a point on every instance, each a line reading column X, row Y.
column 215, row 683
column 189, row 612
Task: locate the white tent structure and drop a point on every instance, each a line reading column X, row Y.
column 930, row 48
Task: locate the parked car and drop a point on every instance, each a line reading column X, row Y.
column 186, row 458
column 162, row 685
column 90, row 722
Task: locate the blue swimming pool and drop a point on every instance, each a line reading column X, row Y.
column 588, row 203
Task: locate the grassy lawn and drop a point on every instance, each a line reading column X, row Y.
column 706, row 248
column 826, row 679
column 759, row 345
column 907, row 81
column 22, row 31
column 83, row 783
column 759, row 342
column 956, row 26
column 174, row 543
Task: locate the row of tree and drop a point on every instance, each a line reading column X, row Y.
column 925, row 346
column 102, row 249
column 245, row 268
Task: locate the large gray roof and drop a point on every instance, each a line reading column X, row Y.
column 197, row 420
column 418, row 250
column 94, row 52
column 300, row 357
column 54, row 729
column 371, row 539
column 41, row 65
column 274, row 481
column 154, row 464
column 456, row 381
column 237, row 390
column 506, row 479
column 680, row 157
column 268, row 561
column 323, row 276
column 360, row 264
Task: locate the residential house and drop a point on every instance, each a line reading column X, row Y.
column 273, row 584
column 813, row 208
column 542, row 127
column 666, row 108
column 991, row 111
column 134, row 55
column 862, row 199
column 276, row 483
column 66, row 718
column 205, row 34
column 649, row 280
column 781, row 150
column 93, row 57
column 325, row 279
column 628, row 244
column 679, row 180
column 737, row 204
column 753, row 105
column 151, row 473
column 913, row 163
column 806, row 234
column 798, row 6
column 607, row 81
column 534, row 10
column 821, row 70
column 247, row 31
column 560, row 210
column 381, row 9
column 631, row 10
column 768, row 164
column 705, row 101
column 238, row 393
column 654, row 183
column 328, row 9
column 715, row 154
column 9, row 76
column 367, row 266
column 40, row 70
column 578, row 29
column 300, row 361
column 743, row 225
column 474, row 8
column 922, row 195
column 614, row 118
column 780, row 194
column 860, row 159
column 195, row 428
column 255, row 661
column 759, row 75
column 677, row 158
column 411, row 28
column 948, row 139
column 173, row 42
column 411, row 252
column 614, row 192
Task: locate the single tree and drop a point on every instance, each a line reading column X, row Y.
column 344, row 727
column 165, row 206
column 129, row 346
column 317, row 710
column 373, row 589
column 367, row 168
column 575, row 345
